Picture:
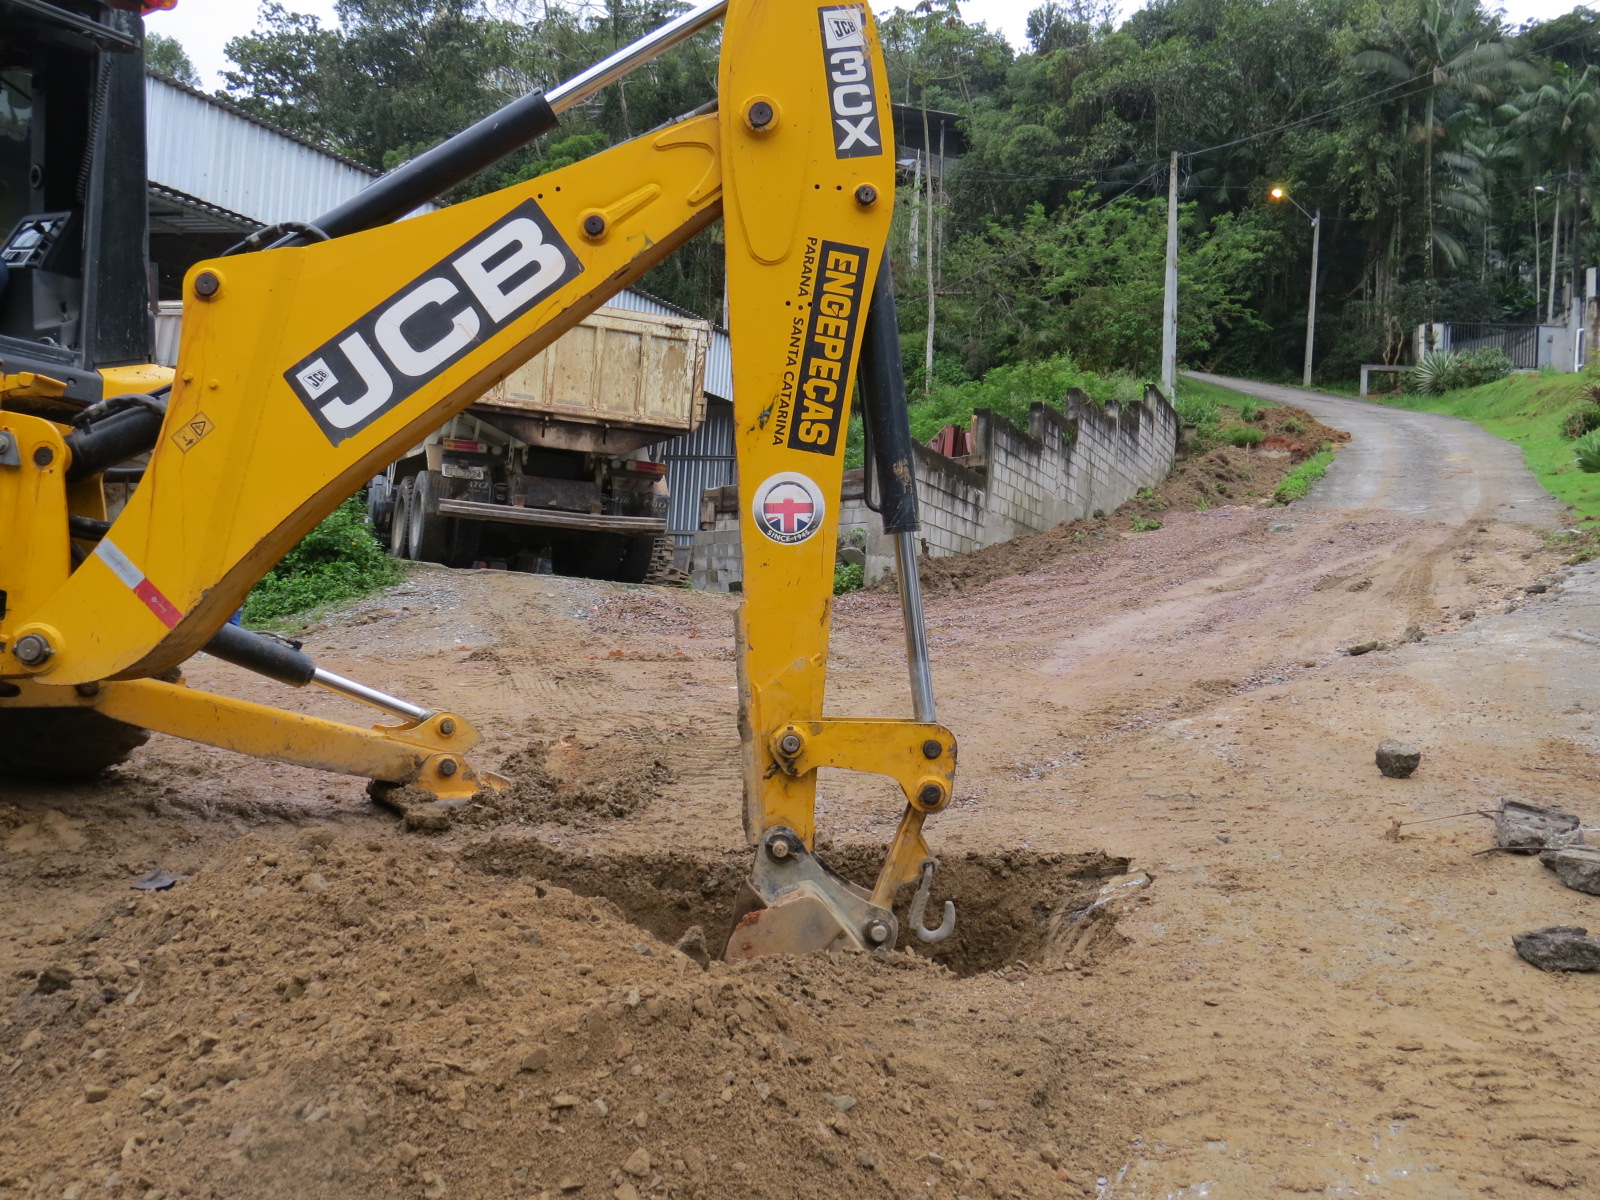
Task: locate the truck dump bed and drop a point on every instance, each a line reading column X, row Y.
column 617, row 368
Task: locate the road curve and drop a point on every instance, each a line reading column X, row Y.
column 1421, row 464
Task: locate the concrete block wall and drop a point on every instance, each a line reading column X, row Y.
column 1066, row 464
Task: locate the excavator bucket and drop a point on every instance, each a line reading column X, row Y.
column 794, row 903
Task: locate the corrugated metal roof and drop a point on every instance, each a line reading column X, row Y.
column 207, row 149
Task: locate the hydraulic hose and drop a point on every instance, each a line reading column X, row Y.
column 884, row 410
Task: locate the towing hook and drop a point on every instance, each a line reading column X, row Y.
column 919, row 905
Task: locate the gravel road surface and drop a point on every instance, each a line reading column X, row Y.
column 1424, row 465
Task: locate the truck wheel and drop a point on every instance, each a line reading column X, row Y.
column 380, row 504
column 64, row 743
column 400, row 519
column 636, row 557
column 430, row 532
column 464, row 542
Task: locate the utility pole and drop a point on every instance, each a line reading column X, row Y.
column 1555, row 248
column 1537, row 289
column 1169, row 302
column 1281, row 192
column 1311, row 304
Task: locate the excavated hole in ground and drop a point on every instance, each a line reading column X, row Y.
column 1014, row 907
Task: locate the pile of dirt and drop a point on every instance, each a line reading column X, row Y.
column 1215, row 477
column 354, row 1018
column 576, row 780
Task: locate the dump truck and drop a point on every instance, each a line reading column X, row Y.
column 546, row 472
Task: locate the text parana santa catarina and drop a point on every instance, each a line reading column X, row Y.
column 830, row 333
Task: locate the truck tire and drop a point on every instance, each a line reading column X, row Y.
column 430, row 531
column 380, row 505
column 636, row 558
column 400, row 519
column 64, row 743
column 464, row 542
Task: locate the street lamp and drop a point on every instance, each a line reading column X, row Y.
column 1279, row 192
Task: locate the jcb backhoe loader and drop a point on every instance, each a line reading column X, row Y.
column 314, row 353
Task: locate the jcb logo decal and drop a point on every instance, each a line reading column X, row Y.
column 856, row 133
column 830, row 333
column 385, row 357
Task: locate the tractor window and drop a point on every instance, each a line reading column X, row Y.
column 16, row 148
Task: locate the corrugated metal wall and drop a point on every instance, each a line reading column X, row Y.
column 695, row 462
column 202, row 148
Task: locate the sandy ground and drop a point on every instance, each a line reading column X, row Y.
column 1299, row 1001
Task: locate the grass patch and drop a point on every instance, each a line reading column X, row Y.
column 1530, row 411
column 338, row 560
column 848, row 577
column 1298, row 481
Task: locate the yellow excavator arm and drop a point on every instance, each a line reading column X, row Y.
column 318, row 355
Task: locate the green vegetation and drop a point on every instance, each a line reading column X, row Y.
column 1298, row 481
column 1244, row 437
column 1011, row 391
column 1532, row 411
column 848, row 577
column 1587, row 451
column 338, row 560
column 1145, row 524
column 1419, row 129
column 1440, row 371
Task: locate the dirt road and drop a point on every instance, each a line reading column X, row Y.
column 1419, row 464
column 1299, row 1002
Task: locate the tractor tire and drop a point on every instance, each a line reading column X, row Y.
column 400, row 518
column 64, row 743
column 430, row 531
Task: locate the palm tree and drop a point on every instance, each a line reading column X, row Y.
column 1452, row 55
column 1559, row 122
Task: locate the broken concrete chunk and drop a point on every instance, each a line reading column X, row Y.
column 1520, row 825
column 1559, row 948
column 1576, row 866
column 1396, row 759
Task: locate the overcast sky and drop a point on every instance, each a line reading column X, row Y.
column 205, row 26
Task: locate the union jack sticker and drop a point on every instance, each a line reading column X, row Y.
column 789, row 508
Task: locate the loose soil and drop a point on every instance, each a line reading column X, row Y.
column 1203, row 478
column 1194, row 954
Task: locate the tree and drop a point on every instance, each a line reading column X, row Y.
column 1560, row 124
column 1450, row 52
column 165, row 56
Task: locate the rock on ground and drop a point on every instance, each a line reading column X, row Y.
column 1559, row 948
column 1520, row 825
column 1396, row 759
column 1576, row 866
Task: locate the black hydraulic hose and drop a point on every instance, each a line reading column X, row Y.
column 87, row 529
column 262, row 655
column 438, row 170
column 884, row 410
